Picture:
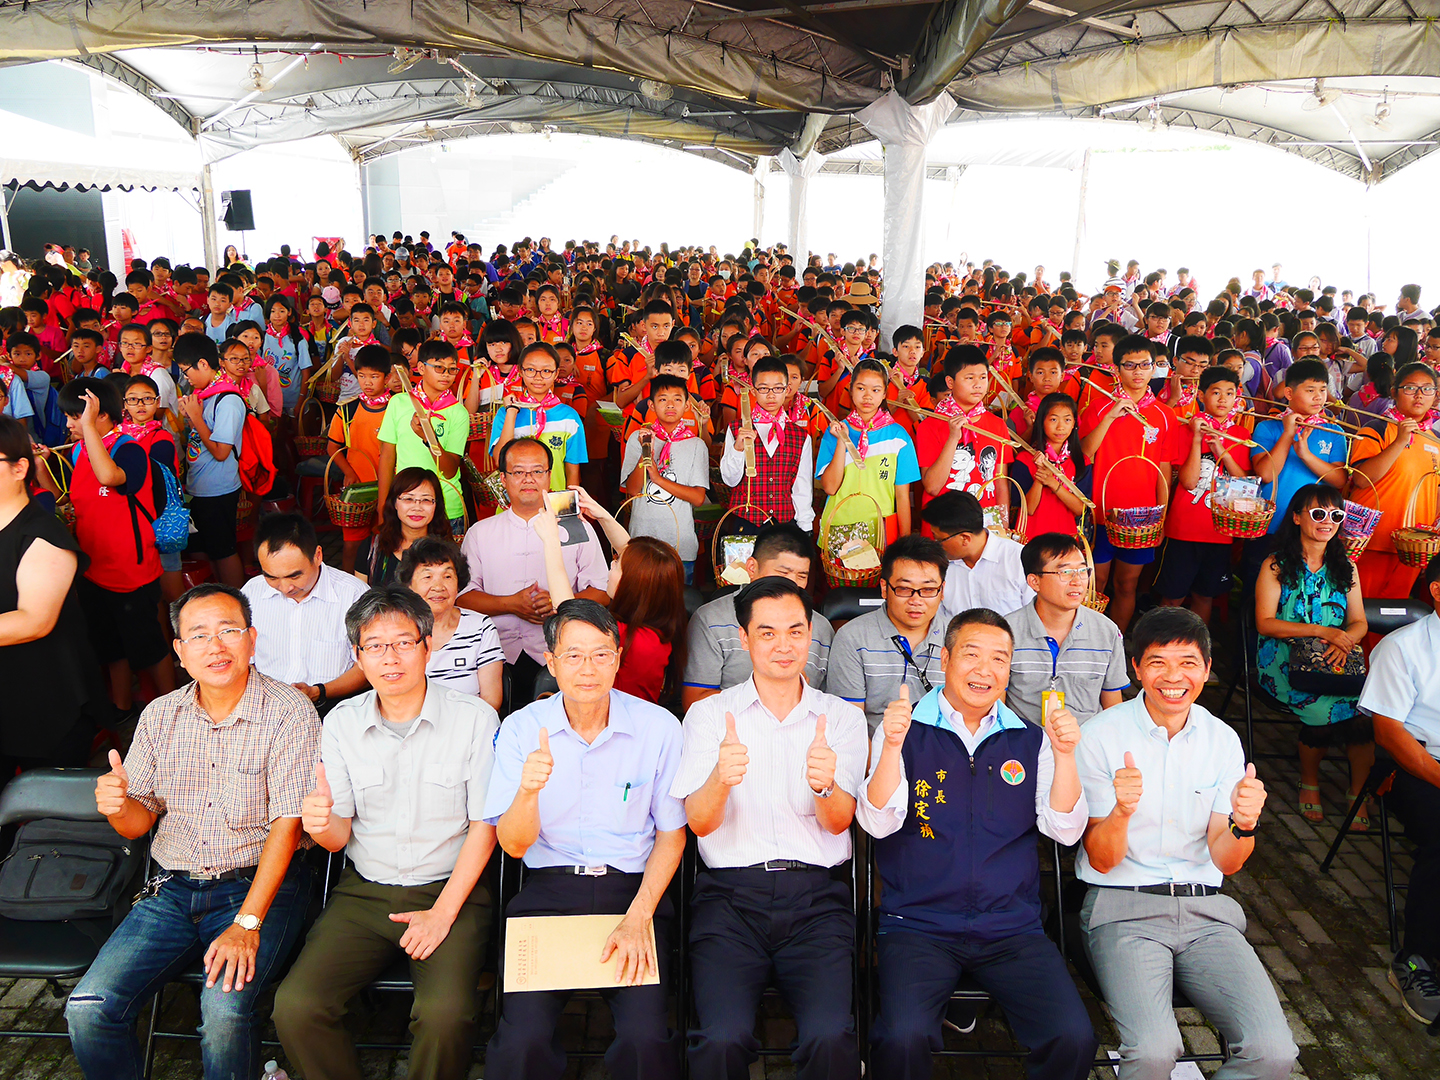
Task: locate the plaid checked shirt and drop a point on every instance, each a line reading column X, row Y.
column 218, row 786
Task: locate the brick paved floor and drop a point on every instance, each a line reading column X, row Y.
column 1322, row 938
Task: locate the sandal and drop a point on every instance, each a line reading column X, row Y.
column 1361, row 823
column 1310, row 808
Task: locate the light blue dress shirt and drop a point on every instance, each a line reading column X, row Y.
column 1184, row 779
column 1404, row 680
column 604, row 800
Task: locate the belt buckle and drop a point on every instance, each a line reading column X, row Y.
column 204, row 875
column 593, row 871
column 771, row 865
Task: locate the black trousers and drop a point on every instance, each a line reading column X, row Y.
column 526, row 1045
column 1025, row 974
column 1417, row 803
column 795, row 928
column 523, row 674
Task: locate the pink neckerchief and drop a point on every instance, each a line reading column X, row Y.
column 523, row 400
column 361, row 344
column 431, row 408
column 1146, row 400
column 139, row 431
column 376, row 403
column 1032, row 402
column 908, row 380
column 1058, row 457
column 680, row 434
column 558, row 325
column 879, row 420
column 1302, row 421
column 777, row 421
column 585, row 350
column 1427, row 421
column 222, row 384
column 948, row 406
column 149, row 367
column 463, row 343
column 1188, row 390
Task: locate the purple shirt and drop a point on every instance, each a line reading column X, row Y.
column 505, row 555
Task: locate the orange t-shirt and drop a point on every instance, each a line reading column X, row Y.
column 356, row 427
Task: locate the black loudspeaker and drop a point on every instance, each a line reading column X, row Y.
column 239, row 216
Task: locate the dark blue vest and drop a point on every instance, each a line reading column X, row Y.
column 966, row 860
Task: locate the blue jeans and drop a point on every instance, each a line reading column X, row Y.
column 163, row 936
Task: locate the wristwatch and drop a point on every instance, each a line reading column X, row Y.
column 247, row 922
column 1238, row 832
column 323, row 697
column 824, row 794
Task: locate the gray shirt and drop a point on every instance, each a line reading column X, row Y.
column 688, row 464
column 1089, row 660
column 715, row 659
column 867, row 665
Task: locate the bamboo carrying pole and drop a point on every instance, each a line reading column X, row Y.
column 420, row 415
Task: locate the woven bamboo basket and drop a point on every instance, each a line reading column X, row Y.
column 1415, row 545
column 1355, row 544
column 1095, row 601
column 1241, row 525
column 1132, row 537
column 310, row 445
column 348, row 513
column 837, row 573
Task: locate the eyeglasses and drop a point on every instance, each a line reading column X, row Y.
column 904, row 592
column 1416, row 390
column 376, row 649
column 425, row 502
column 148, row 400
column 537, row 373
column 228, row 637
column 1322, row 513
column 574, row 658
column 533, row 474
column 771, row 391
column 1068, row 573
column 1143, row 366
column 443, row 370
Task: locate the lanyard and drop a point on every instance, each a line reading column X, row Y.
column 902, row 644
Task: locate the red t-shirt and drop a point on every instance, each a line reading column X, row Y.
column 1134, row 484
column 977, row 459
column 642, row 668
column 1189, row 517
column 1051, row 515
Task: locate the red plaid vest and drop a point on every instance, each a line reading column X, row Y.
column 769, row 493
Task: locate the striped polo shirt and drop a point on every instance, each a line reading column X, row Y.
column 1089, row 660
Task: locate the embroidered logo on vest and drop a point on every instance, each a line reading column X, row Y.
column 1012, row 772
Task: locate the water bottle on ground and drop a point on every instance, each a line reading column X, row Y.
column 273, row 1071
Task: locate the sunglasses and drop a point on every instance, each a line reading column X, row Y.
column 1333, row 514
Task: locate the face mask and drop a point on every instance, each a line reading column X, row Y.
column 725, row 274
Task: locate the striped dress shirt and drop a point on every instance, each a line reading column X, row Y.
column 304, row 642
column 770, row 814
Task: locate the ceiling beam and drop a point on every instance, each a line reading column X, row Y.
column 123, row 73
column 955, row 33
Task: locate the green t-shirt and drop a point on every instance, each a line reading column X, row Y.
column 452, row 430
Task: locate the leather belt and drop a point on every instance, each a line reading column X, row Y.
column 1174, row 888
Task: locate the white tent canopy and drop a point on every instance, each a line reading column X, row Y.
column 51, row 155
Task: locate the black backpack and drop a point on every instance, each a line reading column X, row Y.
column 61, row 870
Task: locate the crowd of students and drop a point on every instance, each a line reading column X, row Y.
column 1018, row 473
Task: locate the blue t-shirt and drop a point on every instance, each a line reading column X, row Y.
column 890, row 460
column 206, row 477
column 217, row 333
column 291, row 362
column 1326, row 442
column 564, row 434
column 19, row 405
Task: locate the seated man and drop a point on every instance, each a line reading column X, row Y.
column 1402, row 695
column 961, row 875
column 714, row 658
column 507, row 563
column 300, row 602
column 220, row 768
column 566, row 770
column 898, row 644
column 984, row 569
column 773, row 895
column 1156, row 852
column 1059, row 643
column 400, row 788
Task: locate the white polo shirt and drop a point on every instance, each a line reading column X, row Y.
column 1404, row 680
column 1185, row 780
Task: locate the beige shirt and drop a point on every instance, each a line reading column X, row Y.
column 217, row 786
column 410, row 799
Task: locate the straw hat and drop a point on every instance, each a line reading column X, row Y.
column 861, row 293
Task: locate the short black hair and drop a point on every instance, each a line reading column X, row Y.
column 769, row 588
column 1212, row 375
column 1307, row 370
column 955, row 512
column 1130, row 345
column 578, row 610
column 204, row 592
column 433, row 551
column 775, row 365
column 1040, row 550
column 276, row 531
column 523, row 440
column 673, row 351
column 914, row 548
column 781, row 538
column 962, row 356
column 72, row 397
column 1168, row 626
column 391, row 599
column 976, row 616
column 190, row 349
column 1432, row 570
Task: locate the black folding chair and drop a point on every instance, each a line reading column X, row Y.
column 1382, row 773
column 63, row 949
column 845, row 602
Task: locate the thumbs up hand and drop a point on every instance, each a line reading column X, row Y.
column 896, row 720
column 731, row 764
column 1128, row 787
column 112, row 789
column 1247, row 799
column 1063, row 730
column 820, row 760
column 538, row 765
column 315, row 810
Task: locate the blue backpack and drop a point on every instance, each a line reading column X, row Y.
column 172, row 526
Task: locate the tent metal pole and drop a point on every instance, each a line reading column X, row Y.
column 1080, row 217
column 208, row 222
column 762, row 170
column 362, row 172
column 5, row 216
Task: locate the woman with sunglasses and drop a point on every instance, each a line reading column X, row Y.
column 1396, row 452
column 1309, row 589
